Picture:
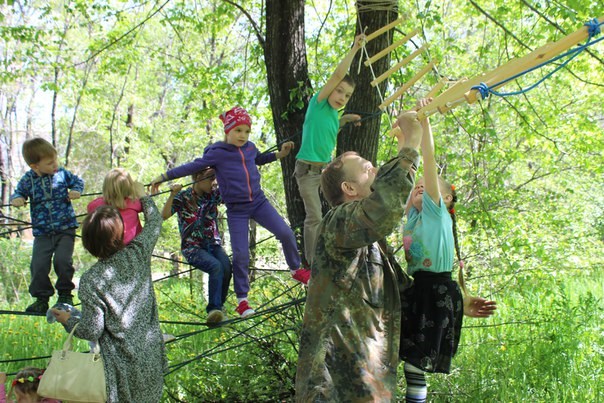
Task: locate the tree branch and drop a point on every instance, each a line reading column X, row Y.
column 558, row 27
column 257, row 29
column 507, row 31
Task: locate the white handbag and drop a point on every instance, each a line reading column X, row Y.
column 73, row 376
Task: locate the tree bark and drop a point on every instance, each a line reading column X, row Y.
column 287, row 70
column 365, row 99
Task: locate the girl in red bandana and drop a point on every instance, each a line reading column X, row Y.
column 236, row 161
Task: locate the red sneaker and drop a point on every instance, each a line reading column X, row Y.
column 302, row 275
column 244, row 310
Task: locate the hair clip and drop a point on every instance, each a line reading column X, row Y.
column 22, row 380
column 452, row 211
column 452, row 187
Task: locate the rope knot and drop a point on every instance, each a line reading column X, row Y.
column 483, row 89
column 593, row 27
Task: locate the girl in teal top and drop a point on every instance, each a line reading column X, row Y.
column 433, row 307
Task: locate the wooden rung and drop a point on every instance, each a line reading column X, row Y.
column 436, row 105
column 385, row 28
column 439, row 85
column 407, row 85
column 395, row 45
column 397, row 67
column 536, row 57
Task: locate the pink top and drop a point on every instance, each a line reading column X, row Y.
column 4, row 400
column 132, row 224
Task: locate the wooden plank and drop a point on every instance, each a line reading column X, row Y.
column 397, row 67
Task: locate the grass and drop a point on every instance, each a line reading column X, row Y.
column 546, row 342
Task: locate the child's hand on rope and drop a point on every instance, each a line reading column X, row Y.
column 286, row 148
column 175, row 188
column 18, row 202
column 159, row 179
column 476, row 307
column 73, row 195
column 153, row 189
column 350, row 118
column 359, row 41
column 2, row 378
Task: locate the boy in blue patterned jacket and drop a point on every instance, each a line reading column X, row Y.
column 50, row 190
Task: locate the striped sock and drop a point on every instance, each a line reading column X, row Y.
column 417, row 391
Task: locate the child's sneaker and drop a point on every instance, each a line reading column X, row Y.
column 244, row 310
column 65, row 299
column 214, row 316
column 302, row 275
column 39, row 306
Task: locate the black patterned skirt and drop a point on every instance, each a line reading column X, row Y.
column 432, row 313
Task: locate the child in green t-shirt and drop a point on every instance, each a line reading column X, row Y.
column 321, row 126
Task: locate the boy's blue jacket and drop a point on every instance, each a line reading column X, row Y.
column 49, row 204
column 236, row 170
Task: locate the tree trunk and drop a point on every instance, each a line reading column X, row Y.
column 365, row 99
column 287, row 70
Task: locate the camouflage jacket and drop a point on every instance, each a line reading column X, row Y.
column 350, row 333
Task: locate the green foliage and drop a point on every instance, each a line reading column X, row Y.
column 527, row 169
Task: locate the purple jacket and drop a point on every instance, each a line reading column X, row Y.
column 236, row 170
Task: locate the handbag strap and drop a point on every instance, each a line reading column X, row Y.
column 67, row 344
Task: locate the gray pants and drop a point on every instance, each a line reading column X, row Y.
column 60, row 245
column 308, row 177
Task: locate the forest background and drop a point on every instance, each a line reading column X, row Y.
column 140, row 85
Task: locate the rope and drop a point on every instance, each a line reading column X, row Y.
column 377, row 5
column 593, row 28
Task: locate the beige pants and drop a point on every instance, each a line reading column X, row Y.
column 308, row 177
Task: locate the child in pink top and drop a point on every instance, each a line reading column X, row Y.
column 24, row 386
column 123, row 193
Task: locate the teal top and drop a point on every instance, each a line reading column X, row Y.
column 321, row 126
column 428, row 238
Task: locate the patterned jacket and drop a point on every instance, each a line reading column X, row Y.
column 349, row 341
column 49, row 205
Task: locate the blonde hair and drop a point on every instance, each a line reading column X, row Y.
column 36, row 149
column 119, row 186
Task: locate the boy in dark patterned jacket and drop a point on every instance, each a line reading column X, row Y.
column 50, row 190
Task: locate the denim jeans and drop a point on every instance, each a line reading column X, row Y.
column 214, row 261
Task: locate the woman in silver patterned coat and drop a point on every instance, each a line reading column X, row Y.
column 119, row 307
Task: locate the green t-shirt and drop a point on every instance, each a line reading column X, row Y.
column 321, row 126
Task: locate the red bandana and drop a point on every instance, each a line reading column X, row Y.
column 235, row 117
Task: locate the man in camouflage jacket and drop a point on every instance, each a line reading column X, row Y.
column 350, row 334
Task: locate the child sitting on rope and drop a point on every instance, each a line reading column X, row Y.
column 123, row 193
column 50, row 190
column 433, row 307
column 197, row 210
column 24, row 386
column 236, row 163
column 321, row 126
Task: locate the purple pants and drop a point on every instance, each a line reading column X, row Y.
column 238, row 217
